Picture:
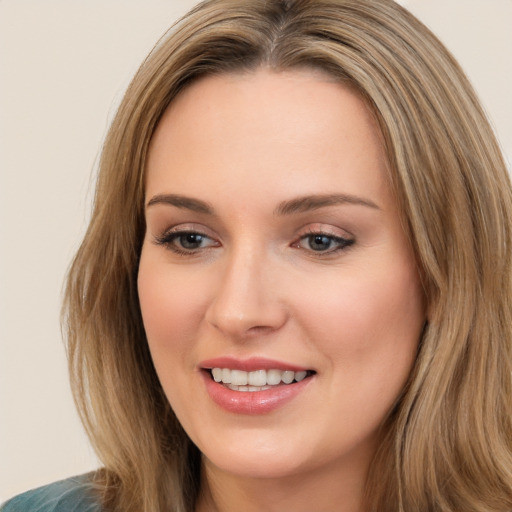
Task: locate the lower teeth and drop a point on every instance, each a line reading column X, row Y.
column 247, row 388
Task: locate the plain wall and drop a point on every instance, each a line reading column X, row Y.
column 64, row 66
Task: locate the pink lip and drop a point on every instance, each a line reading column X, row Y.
column 250, row 365
column 251, row 402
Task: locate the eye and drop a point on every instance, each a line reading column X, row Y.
column 191, row 240
column 186, row 242
column 324, row 243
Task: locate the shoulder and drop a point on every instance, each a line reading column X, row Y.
column 76, row 494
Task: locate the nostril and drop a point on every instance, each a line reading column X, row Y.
column 260, row 329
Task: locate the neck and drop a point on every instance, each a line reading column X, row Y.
column 321, row 490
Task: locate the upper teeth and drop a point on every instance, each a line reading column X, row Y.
column 256, row 378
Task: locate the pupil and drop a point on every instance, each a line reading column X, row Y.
column 319, row 242
column 190, row 240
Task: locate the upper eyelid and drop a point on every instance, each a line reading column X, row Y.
column 175, row 233
column 326, row 234
column 189, row 228
column 324, row 229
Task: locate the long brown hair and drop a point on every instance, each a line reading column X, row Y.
column 448, row 444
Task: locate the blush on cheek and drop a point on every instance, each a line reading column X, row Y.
column 364, row 322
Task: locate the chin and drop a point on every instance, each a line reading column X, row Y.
column 256, row 466
column 258, row 455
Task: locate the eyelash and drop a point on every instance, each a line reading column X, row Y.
column 168, row 240
column 343, row 243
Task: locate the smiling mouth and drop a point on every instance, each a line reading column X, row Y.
column 258, row 380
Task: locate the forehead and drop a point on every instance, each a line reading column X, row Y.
column 297, row 132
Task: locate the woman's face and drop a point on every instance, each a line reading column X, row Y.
column 274, row 252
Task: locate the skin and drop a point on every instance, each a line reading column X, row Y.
column 246, row 144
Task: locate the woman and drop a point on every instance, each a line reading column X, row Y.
column 294, row 290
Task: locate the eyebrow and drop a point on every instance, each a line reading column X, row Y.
column 187, row 203
column 296, row 205
column 314, row 202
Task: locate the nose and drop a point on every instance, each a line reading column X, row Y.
column 246, row 301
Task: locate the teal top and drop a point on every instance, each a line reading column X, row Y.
column 74, row 494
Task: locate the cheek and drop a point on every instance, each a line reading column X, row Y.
column 369, row 323
column 171, row 306
column 364, row 304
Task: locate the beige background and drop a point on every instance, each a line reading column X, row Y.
column 64, row 65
